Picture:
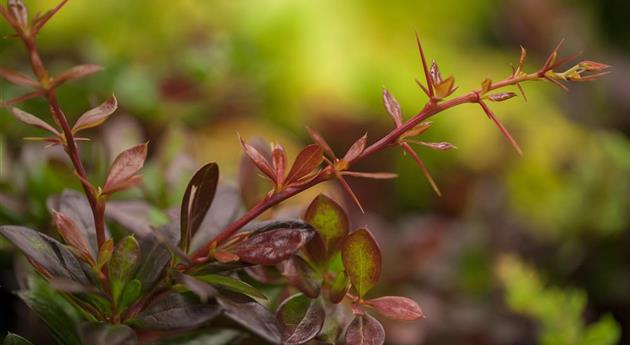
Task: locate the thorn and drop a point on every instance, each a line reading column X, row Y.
column 422, row 166
column 425, row 67
column 520, row 88
column 348, row 190
column 557, row 83
column 502, row 128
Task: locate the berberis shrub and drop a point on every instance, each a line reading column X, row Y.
column 181, row 281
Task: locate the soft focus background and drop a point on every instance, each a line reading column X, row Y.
column 519, row 250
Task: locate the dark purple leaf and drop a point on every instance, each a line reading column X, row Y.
column 300, row 275
column 251, row 315
column 365, row 330
column 174, row 311
column 396, row 308
column 219, row 215
column 300, row 319
column 274, row 246
column 196, row 202
column 95, row 333
column 198, row 287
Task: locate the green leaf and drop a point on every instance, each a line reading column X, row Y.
column 331, row 223
column 197, row 200
column 130, row 294
column 362, row 260
column 97, row 333
column 605, row 331
column 122, row 264
column 339, row 287
column 232, row 284
column 14, row 339
column 300, row 319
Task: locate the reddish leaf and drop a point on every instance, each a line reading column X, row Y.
column 33, row 120
column 272, row 247
column 396, row 308
column 361, row 260
column 22, row 98
column 279, row 161
column 331, row 223
column 301, row 276
column 300, row 319
column 18, row 12
column 122, row 174
column 500, row 97
column 259, row 160
column 196, row 202
column 225, row 256
column 365, row 330
column 392, row 107
column 319, row 140
column 441, row 146
column 39, row 22
column 305, row 163
column 96, row 116
column 18, row 78
column 72, row 235
column 356, row 149
column 75, row 72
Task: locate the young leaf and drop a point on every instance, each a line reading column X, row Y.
column 365, row 330
column 272, row 247
column 75, row 72
column 300, row 275
column 174, row 311
column 305, row 163
column 46, row 253
column 251, row 315
column 396, row 308
column 40, row 21
column 356, row 149
column 123, row 172
column 279, row 161
column 72, row 235
column 232, row 284
column 300, row 319
column 18, row 78
column 331, row 223
column 392, row 107
column 98, row 333
column 319, row 140
column 96, row 116
column 130, row 293
column 76, row 206
column 339, row 288
column 259, row 160
column 33, row 120
column 14, row 339
column 122, row 264
column 197, row 200
column 362, row 260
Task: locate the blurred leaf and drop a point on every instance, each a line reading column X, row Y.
column 396, row 308
column 18, row 78
column 331, row 223
column 46, row 253
column 105, row 254
column 200, row 288
column 339, row 287
column 362, row 260
column 274, row 246
column 300, row 275
column 95, row 117
column 33, row 120
column 605, row 331
column 259, row 161
column 14, row 339
column 300, row 319
column 130, row 293
column 392, row 107
column 232, row 284
column 154, row 258
column 365, row 330
column 174, row 311
column 122, row 264
column 75, row 72
column 252, row 316
column 95, row 333
column 356, row 149
column 122, row 174
column 197, row 200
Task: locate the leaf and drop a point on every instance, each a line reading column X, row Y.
column 76, row 206
column 72, row 235
column 393, row 108
column 370, row 175
column 130, row 293
column 274, row 246
column 251, row 315
column 339, row 288
column 331, row 224
column 14, row 339
column 198, row 287
column 127, row 164
column 365, row 330
column 300, row 319
column 500, row 97
column 362, row 260
column 174, row 311
column 46, row 253
column 279, row 162
column 75, row 72
column 39, row 22
column 232, row 284
column 122, row 264
column 305, row 163
column 21, row 98
column 356, row 149
column 18, row 78
column 96, row 333
column 219, row 215
column 396, row 308
column 196, row 202
column 259, row 160
column 300, row 275
column 33, row 120
column 319, row 140
column 96, row 116
column 154, row 258
column 105, row 254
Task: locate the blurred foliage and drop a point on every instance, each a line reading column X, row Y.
column 558, row 311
